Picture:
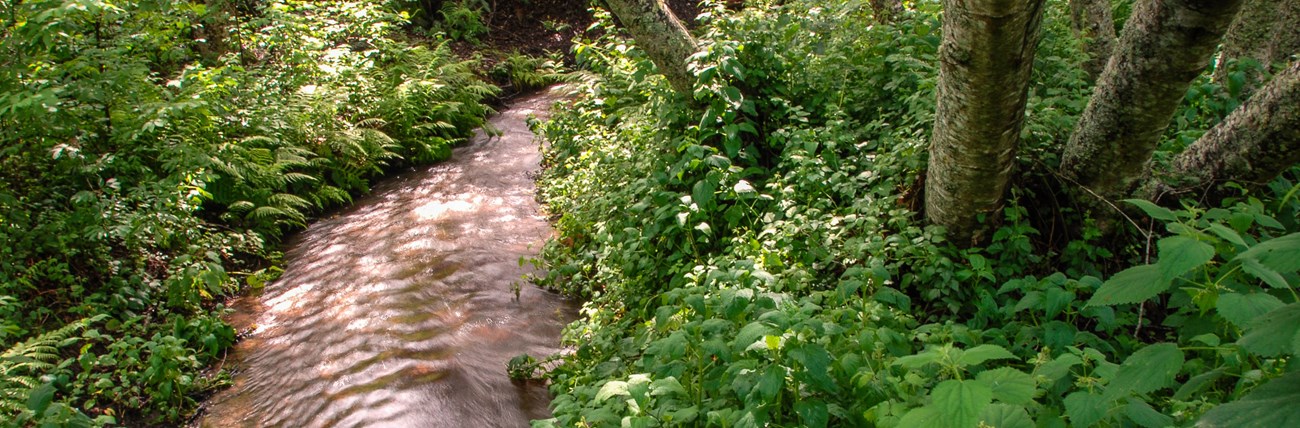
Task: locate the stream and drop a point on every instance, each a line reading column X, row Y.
column 401, row 310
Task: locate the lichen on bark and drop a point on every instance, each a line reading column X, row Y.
column 986, row 56
column 1163, row 47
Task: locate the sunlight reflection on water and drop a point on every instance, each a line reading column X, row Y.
column 399, row 311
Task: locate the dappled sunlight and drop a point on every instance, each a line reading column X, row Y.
column 400, row 310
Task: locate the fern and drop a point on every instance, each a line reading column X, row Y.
column 23, row 364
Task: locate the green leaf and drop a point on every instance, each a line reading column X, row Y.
column 1227, row 234
column 960, row 402
column 1241, row 309
column 1181, row 254
column 1085, row 409
column 1154, row 211
column 1058, row 368
column 40, row 398
column 610, row 389
column 1274, row 333
column 1270, row 405
column 666, row 386
column 1269, row 276
column 1281, row 254
column 771, row 382
column 1150, row 368
column 702, row 192
column 920, row 417
column 1009, row 385
column 1132, row 285
column 983, row 353
column 812, row 413
column 1000, row 415
column 1142, row 414
column 1197, row 383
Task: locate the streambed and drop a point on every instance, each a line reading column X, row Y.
column 401, row 310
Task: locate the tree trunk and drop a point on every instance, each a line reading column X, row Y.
column 1254, row 144
column 1164, row 46
column 1091, row 20
column 984, row 63
column 658, row 32
column 1265, row 31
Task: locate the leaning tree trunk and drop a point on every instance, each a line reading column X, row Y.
column 1164, row 46
column 1092, row 20
column 658, row 32
column 1254, row 144
column 984, row 63
column 1265, row 31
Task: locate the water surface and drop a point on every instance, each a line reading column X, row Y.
column 400, row 311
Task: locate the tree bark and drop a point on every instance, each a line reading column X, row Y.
column 1092, row 21
column 662, row 36
column 1164, row 46
column 1254, row 144
column 1265, row 31
column 985, row 60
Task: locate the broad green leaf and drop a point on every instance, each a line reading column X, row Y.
column 1197, row 383
column 1274, row 333
column 983, row 353
column 702, row 192
column 920, row 417
column 1269, row 276
column 1132, row 285
column 1154, row 211
column 1057, row 368
column 1150, row 368
column 1056, row 300
column 1009, row 385
column 1280, row 254
column 1227, row 234
column 40, row 398
column 610, row 389
column 1181, row 254
column 1085, row 409
column 1142, row 414
column 913, row 362
column 1241, row 309
column 812, row 413
column 960, row 402
column 771, row 382
column 1272, row 404
column 666, row 386
column 998, row 415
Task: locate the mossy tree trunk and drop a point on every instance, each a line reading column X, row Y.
column 1164, row 46
column 1254, row 144
column 1093, row 21
column 662, row 36
column 1266, row 31
column 985, row 60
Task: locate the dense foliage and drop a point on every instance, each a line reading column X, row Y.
column 753, row 257
column 152, row 153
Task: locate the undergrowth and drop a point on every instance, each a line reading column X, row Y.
column 154, row 152
column 753, row 256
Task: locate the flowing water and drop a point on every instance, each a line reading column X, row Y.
column 401, row 311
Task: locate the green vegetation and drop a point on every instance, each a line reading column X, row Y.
column 153, row 152
column 754, row 256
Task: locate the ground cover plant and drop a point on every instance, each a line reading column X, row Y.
column 753, row 251
column 152, row 154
